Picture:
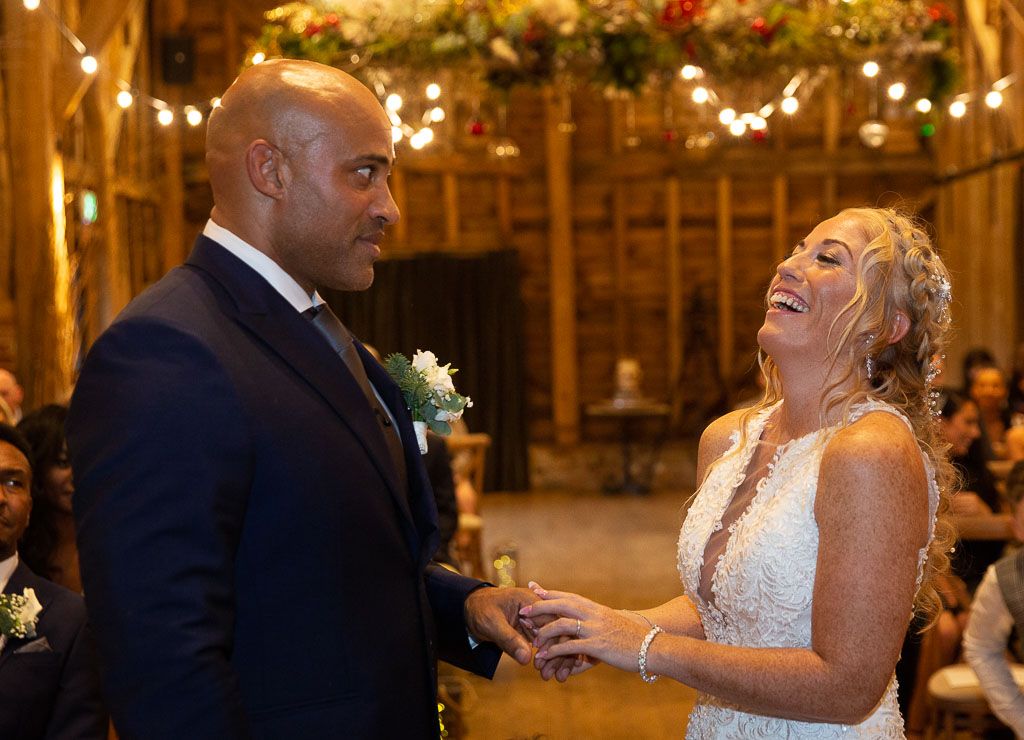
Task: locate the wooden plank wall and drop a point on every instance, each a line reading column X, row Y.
column 649, row 230
column 980, row 203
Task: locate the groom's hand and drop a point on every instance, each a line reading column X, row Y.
column 492, row 615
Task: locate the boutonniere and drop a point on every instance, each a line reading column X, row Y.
column 429, row 393
column 19, row 615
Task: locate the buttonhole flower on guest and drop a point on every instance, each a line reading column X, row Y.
column 428, row 391
column 19, row 614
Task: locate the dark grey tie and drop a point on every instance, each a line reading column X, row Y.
column 341, row 341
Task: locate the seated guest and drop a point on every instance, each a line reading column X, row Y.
column 11, row 396
column 49, row 686
column 923, row 654
column 48, row 547
column 988, row 390
column 998, row 607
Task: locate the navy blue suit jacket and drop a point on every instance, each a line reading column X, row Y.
column 50, row 693
column 251, row 567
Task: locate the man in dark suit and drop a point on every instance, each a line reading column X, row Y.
column 254, row 521
column 49, row 686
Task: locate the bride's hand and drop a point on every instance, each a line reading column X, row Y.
column 585, row 628
column 558, row 668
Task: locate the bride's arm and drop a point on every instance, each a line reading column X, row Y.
column 872, row 514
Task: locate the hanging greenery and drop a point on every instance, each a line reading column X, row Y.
column 619, row 44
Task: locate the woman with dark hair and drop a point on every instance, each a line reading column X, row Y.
column 49, row 544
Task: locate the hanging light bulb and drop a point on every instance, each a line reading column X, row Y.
column 396, row 134
column 870, row 69
column 758, row 124
column 737, row 128
column 994, row 99
column 426, row 133
column 259, row 57
column 215, row 103
column 958, row 109
column 700, row 95
column 437, row 114
column 165, row 117
column 789, row 105
column 89, row 64
column 193, row 115
column 125, row 99
column 31, row 4
column 923, row 105
column 897, row 90
column 726, row 116
column 433, row 91
column 689, row 72
column 393, row 102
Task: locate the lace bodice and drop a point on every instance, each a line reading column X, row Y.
column 764, row 581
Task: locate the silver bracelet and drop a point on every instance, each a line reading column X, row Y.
column 630, row 611
column 641, row 657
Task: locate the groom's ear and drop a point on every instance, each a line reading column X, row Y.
column 267, row 169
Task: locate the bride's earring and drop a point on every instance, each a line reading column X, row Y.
column 869, row 361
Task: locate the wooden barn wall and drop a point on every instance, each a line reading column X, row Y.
column 661, row 243
column 657, row 251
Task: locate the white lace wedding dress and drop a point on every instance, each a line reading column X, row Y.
column 764, row 580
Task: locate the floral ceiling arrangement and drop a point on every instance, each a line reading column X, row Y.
column 620, row 45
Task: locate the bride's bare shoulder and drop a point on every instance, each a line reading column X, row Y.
column 715, row 439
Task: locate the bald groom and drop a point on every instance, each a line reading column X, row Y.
column 255, row 524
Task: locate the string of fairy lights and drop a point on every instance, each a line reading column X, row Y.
column 738, row 124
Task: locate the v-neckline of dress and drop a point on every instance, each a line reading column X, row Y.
column 746, row 458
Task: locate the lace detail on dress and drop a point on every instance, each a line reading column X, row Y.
column 764, row 580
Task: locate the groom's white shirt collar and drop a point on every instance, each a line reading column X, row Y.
column 269, row 270
column 7, row 568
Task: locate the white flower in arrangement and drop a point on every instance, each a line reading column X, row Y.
column 503, row 50
column 19, row 614
column 563, row 15
column 428, row 392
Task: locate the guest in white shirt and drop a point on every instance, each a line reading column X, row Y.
column 998, row 606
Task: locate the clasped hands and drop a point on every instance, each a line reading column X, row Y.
column 570, row 633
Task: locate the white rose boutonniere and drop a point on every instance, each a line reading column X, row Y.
column 19, row 614
column 428, row 392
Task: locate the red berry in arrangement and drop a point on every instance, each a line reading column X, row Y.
column 477, row 127
column 669, row 135
column 331, row 19
column 311, row 30
column 759, row 136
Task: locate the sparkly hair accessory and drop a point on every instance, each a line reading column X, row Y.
column 944, row 295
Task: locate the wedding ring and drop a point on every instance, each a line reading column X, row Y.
column 578, row 626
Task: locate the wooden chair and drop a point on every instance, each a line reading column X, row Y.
column 958, row 704
column 469, row 458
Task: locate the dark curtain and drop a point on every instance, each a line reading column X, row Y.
column 466, row 310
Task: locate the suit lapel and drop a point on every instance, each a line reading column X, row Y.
column 21, row 579
column 421, row 497
column 274, row 321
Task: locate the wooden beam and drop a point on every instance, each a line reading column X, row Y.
column 725, row 278
column 450, row 190
column 100, row 20
column 503, row 195
column 830, row 143
column 674, row 320
column 400, row 192
column 44, row 325
column 564, row 359
column 780, row 218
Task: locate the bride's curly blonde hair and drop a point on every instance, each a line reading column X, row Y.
column 899, row 271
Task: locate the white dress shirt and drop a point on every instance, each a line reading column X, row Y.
column 7, row 567
column 985, row 642
column 269, row 270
